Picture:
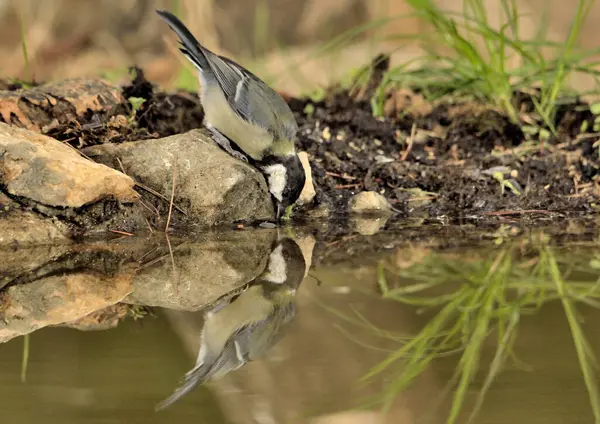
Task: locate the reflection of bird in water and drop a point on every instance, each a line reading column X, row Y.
column 242, row 327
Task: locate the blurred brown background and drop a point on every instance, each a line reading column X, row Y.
column 282, row 40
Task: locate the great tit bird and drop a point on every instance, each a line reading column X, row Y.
column 241, row 327
column 241, row 109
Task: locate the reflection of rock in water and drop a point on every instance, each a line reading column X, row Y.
column 72, row 284
column 242, row 325
column 205, row 269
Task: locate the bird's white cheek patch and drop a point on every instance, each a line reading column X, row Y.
column 276, row 179
column 277, row 268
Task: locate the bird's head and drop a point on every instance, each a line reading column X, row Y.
column 285, row 178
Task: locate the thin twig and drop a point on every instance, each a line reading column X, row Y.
column 421, row 198
column 172, row 196
column 150, row 190
column 79, row 152
column 155, row 211
column 124, row 233
column 157, row 259
column 343, row 239
column 174, row 279
column 155, row 248
column 344, row 177
column 410, row 140
column 121, row 166
column 518, row 212
column 149, row 225
column 157, row 194
column 347, row 186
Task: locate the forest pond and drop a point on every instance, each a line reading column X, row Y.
column 423, row 321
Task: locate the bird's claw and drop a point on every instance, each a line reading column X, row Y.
column 238, row 155
column 225, row 144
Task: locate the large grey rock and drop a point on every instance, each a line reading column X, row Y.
column 210, row 185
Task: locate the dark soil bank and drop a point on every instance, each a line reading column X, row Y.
column 462, row 159
column 446, row 158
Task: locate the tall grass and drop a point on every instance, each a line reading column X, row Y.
column 478, row 299
column 466, row 56
column 23, row 29
column 473, row 59
column 262, row 41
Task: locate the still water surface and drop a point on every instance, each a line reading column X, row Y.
column 340, row 327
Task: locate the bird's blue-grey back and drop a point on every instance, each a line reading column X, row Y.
column 250, row 97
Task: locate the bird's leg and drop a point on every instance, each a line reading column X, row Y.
column 225, row 144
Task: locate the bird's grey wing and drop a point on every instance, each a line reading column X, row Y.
column 252, row 99
column 268, row 332
column 251, row 341
column 235, row 353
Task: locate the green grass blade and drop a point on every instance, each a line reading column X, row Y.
column 585, row 354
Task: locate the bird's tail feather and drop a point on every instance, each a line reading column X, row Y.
column 192, row 379
column 191, row 47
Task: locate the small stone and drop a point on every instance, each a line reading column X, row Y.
column 354, row 147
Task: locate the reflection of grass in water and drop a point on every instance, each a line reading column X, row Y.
column 585, row 355
column 25, row 358
column 487, row 296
